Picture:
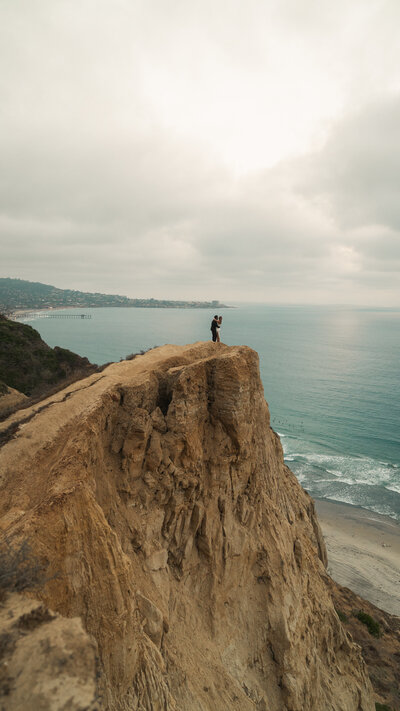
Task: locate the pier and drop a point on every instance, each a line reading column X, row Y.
column 37, row 314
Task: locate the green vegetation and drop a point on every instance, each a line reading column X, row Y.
column 29, row 365
column 371, row 624
column 341, row 615
column 18, row 294
column 382, row 707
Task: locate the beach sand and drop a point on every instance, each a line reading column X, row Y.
column 363, row 552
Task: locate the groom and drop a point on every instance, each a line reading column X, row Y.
column 214, row 326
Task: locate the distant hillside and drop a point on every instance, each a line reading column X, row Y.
column 18, row 294
column 29, row 365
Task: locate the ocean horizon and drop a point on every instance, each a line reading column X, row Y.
column 330, row 376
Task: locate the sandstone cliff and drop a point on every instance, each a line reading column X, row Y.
column 46, row 661
column 157, row 492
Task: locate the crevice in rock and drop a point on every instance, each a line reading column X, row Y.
column 164, row 397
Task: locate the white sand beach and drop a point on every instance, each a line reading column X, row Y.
column 363, row 552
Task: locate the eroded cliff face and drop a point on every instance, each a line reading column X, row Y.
column 47, row 662
column 158, row 493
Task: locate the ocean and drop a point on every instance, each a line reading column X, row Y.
column 331, row 377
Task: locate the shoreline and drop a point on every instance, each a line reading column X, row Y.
column 363, row 552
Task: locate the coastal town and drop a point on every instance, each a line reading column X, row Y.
column 19, row 295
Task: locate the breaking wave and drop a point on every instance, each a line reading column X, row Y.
column 358, row 480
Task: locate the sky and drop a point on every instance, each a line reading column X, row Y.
column 240, row 151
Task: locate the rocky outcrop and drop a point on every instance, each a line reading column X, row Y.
column 380, row 649
column 47, row 663
column 157, row 493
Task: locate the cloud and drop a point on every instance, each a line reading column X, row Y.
column 354, row 180
column 169, row 150
column 357, row 173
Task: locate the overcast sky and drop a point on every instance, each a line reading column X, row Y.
column 202, row 149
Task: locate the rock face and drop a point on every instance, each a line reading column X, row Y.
column 157, row 492
column 47, row 663
column 381, row 654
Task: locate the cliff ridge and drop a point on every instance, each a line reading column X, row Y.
column 157, row 494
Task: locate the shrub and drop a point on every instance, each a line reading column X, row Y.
column 341, row 615
column 382, row 707
column 19, row 568
column 371, row 624
column 131, row 356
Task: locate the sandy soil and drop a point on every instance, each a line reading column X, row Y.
column 10, row 399
column 363, row 552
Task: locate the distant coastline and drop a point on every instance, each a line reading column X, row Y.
column 19, row 314
column 18, row 296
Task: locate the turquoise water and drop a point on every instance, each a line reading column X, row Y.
column 331, row 377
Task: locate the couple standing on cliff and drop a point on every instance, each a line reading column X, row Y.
column 215, row 327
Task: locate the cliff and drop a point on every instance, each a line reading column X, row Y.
column 46, row 661
column 30, row 366
column 157, row 495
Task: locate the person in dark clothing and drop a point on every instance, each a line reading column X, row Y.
column 214, row 326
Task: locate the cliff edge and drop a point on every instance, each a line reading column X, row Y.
column 157, row 494
column 29, row 367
